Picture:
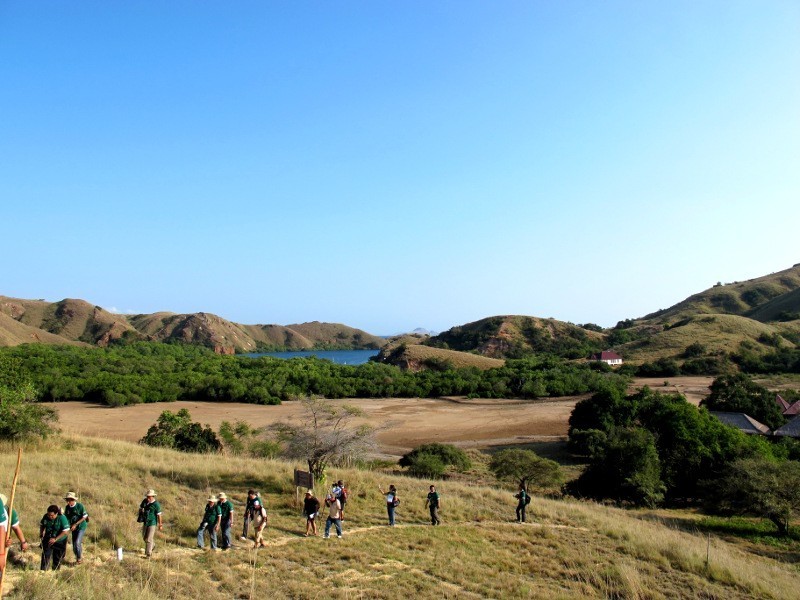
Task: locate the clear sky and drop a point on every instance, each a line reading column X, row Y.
column 392, row 165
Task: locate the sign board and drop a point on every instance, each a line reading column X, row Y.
column 303, row 479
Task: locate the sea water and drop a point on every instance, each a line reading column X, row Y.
column 342, row 357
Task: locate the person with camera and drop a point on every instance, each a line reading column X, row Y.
column 150, row 518
column 392, row 502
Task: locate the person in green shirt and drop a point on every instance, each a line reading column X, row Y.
column 4, row 523
column 13, row 523
column 150, row 518
column 78, row 517
column 54, row 531
column 226, row 519
column 523, row 499
column 211, row 519
column 432, row 502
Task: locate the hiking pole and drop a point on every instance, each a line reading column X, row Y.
column 10, row 516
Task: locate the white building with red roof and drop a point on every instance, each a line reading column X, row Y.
column 608, row 357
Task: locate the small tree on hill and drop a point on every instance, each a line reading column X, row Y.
column 177, row 431
column 326, row 434
column 446, row 454
column 626, row 469
column 760, row 487
column 526, row 468
column 738, row 393
column 20, row 415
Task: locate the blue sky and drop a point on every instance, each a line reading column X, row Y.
column 392, row 165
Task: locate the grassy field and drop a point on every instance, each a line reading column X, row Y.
column 570, row 550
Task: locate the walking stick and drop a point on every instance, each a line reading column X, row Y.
column 10, row 515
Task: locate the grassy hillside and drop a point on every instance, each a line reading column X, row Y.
column 407, row 354
column 77, row 320
column 512, row 336
column 717, row 333
column 74, row 320
column 785, row 307
column 571, row 550
column 738, row 298
column 14, row 333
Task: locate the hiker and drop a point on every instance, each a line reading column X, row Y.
column 343, row 494
column 53, row 531
column 333, row 516
column 432, row 502
column 226, row 519
column 523, row 500
column 13, row 522
column 259, row 524
column 150, row 518
column 210, row 523
column 4, row 523
column 310, row 510
column 78, row 518
column 250, row 508
column 392, row 502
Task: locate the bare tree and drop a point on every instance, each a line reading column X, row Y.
column 327, row 434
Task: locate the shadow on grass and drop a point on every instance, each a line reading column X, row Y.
column 759, row 536
column 231, row 482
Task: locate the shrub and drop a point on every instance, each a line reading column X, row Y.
column 525, row 467
column 447, row 454
column 176, row 431
column 20, row 415
column 427, row 465
column 626, row 469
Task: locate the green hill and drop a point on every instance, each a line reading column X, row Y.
column 717, row 333
column 738, row 298
column 512, row 336
column 568, row 550
column 785, row 307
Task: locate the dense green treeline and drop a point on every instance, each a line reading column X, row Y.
column 157, row 372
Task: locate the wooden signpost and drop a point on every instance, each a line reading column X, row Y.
column 302, row 479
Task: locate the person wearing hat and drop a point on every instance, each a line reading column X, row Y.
column 13, row 523
column 53, row 531
column 78, row 518
column 310, row 510
column 226, row 519
column 210, row 523
column 150, row 518
column 334, row 514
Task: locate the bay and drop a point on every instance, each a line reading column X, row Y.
column 341, row 357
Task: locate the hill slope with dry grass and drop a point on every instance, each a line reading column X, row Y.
column 69, row 321
column 570, row 550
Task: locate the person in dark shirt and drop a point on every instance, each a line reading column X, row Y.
column 310, row 510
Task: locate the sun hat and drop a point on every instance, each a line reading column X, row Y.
column 151, row 493
column 70, row 496
column 222, row 496
column 211, row 499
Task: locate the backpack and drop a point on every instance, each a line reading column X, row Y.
column 343, row 493
column 527, row 499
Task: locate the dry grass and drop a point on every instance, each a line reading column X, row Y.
column 572, row 550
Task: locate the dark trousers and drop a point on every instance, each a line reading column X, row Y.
column 225, row 530
column 521, row 513
column 434, row 515
column 54, row 554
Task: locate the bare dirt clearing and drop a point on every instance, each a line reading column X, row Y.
column 404, row 422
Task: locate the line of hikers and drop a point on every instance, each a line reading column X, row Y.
column 57, row 526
